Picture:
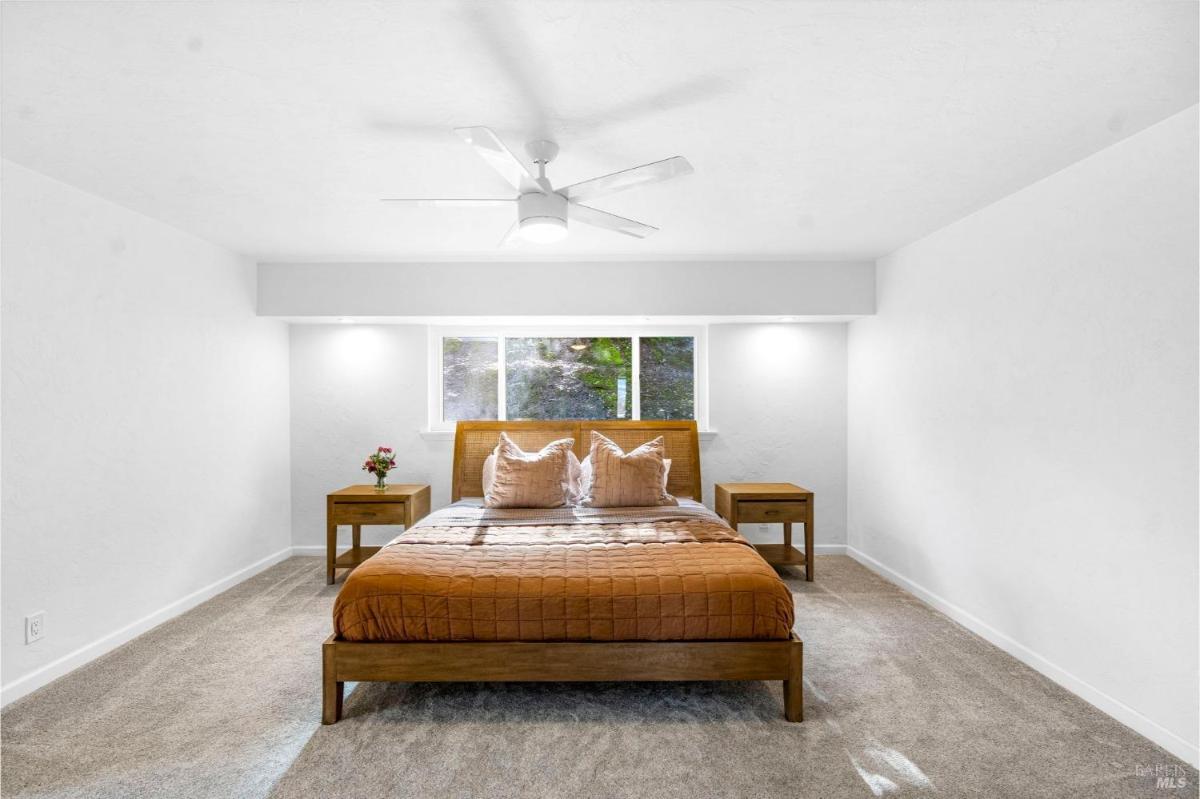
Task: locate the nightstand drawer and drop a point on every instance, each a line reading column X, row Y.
column 749, row 511
column 369, row 512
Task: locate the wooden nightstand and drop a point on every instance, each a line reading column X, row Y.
column 772, row 502
column 359, row 505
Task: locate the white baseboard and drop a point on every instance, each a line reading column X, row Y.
column 88, row 652
column 1089, row 693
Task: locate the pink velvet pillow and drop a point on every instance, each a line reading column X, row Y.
column 622, row 480
column 582, row 477
column 574, row 483
column 530, row 479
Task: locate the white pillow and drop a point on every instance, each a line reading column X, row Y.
column 585, row 477
column 489, row 472
column 574, row 477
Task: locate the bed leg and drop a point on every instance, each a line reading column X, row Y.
column 793, row 686
column 331, row 688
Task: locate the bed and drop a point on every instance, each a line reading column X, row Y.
column 565, row 594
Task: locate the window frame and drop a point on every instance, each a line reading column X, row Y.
column 699, row 333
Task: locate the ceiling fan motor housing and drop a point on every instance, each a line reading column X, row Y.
column 535, row 206
column 542, row 211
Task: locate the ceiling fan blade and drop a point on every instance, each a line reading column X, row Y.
column 499, row 157
column 664, row 100
column 628, row 178
column 515, row 55
column 607, row 221
column 431, row 202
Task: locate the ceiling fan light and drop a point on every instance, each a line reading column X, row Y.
column 543, row 229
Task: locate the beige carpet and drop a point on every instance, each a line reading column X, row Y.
column 225, row 702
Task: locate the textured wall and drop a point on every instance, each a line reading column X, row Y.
column 778, row 400
column 1023, row 425
column 144, row 419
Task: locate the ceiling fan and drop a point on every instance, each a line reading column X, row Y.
column 542, row 210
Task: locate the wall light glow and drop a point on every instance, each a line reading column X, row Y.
column 766, row 346
column 356, row 352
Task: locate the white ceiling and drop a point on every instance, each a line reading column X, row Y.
column 817, row 129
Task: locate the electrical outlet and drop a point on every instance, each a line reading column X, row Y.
column 35, row 626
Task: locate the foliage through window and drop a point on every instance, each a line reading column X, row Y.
column 566, row 378
column 549, row 377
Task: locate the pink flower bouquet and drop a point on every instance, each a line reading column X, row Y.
column 379, row 463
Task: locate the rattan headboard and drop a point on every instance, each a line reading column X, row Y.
column 475, row 440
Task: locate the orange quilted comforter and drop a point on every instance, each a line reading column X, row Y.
column 571, row 574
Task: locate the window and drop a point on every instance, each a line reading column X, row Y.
column 469, row 378
column 667, row 386
column 546, row 375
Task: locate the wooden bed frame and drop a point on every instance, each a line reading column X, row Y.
column 567, row 661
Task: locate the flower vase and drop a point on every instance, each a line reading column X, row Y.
column 380, row 485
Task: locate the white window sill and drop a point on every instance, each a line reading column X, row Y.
column 448, row 435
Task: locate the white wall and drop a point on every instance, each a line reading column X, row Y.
column 353, row 388
column 1023, row 426
column 144, row 419
column 777, row 398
